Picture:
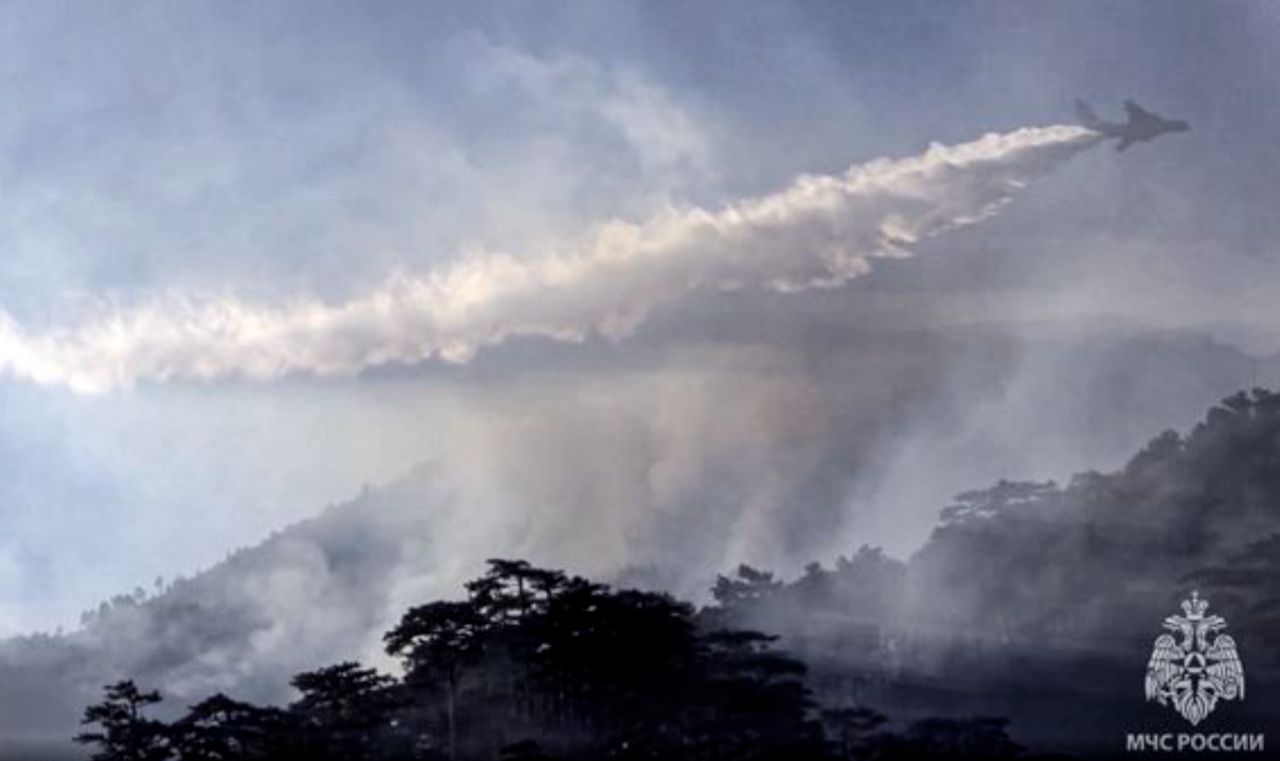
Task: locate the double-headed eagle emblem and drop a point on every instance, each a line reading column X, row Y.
column 1190, row 671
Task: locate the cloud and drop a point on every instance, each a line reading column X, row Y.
column 820, row 231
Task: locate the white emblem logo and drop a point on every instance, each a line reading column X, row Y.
column 1188, row 670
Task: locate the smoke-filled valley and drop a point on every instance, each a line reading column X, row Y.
column 750, row 492
column 1028, row 600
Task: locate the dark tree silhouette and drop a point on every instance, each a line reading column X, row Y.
column 755, row 699
column 351, row 713
column 436, row 641
column 982, row 504
column 124, row 733
column 747, row 587
column 221, row 729
column 537, row 665
column 982, row 739
column 849, row 730
column 525, row 750
column 513, row 589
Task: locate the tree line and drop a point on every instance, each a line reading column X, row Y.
column 537, row 664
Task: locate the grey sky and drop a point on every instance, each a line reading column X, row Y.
column 268, row 150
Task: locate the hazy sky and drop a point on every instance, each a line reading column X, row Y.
column 276, row 151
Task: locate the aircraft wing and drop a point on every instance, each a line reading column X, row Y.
column 1137, row 113
column 1085, row 113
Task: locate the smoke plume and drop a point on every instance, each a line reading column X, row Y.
column 819, row 231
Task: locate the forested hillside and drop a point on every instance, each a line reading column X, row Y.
column 1036, row 600
column 535, row 664
column 1032, row 602
column 325, row 589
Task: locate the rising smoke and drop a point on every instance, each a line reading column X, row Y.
column 820, row 231
column 710, row 454
column 774, row 449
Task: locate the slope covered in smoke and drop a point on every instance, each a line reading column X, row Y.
column 1040, row 602
column 313, row 589
column 323, row 589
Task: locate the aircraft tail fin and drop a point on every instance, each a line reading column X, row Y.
column 1085, row 113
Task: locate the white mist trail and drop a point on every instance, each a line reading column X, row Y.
column 819, row 231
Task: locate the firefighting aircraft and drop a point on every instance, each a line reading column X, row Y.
column 1141, row 126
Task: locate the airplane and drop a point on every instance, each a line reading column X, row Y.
column 1142, row 125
